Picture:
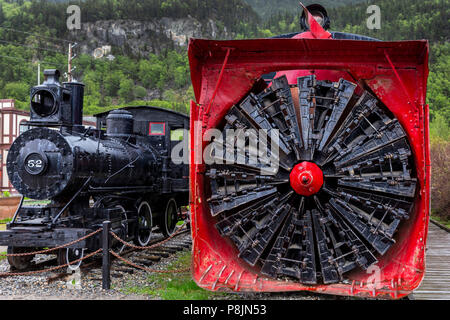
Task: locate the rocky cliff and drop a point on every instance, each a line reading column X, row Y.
column 139, row 38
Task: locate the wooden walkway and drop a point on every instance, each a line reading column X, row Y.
column 436, row 284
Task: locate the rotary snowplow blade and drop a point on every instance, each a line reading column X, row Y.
column 361, row 230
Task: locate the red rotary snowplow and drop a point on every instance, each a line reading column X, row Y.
column 362, row 229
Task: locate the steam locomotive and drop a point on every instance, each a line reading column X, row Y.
column 345, row 209
column 121, row 171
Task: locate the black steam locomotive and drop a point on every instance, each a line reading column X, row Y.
column 121, row 171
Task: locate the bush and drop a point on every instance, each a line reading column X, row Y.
column 140, row 92
column 440, row 173
column 439, row 126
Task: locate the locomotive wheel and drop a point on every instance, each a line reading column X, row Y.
column 22, row 262
column 108, row 202
column 67, row 255
column 344, row 184
column 168, row 220
column 145, row 225
column 124, row 222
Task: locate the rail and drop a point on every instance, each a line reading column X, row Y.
column 177, row 232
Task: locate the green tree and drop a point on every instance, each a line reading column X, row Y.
column 126, row 92
column 17, row 90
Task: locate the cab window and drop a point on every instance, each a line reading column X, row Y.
column 157, row 129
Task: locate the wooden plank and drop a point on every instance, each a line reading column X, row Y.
column 436, row 283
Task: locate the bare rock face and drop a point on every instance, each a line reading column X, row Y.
column 139, row 38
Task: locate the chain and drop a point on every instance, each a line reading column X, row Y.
column 10, row 274
column 148, row 247
column 52, row 249
column 148, row 269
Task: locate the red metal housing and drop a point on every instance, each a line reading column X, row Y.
column 223, row 72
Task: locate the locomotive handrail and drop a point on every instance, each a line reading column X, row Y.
column 71, row 200
column 128, row 165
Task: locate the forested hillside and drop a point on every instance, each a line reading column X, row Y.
column 162, row 76
column 50, row 17
column 267, row 8
column 400, row 20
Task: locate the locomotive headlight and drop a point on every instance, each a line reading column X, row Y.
column 35, row 163
column 43, row 103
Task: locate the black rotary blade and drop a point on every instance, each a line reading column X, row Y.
column 369, row 180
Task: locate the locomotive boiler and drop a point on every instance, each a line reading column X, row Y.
column 345, row 209
column 120, row 171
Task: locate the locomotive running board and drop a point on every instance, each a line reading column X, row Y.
column 40, row 237
column 224, row 72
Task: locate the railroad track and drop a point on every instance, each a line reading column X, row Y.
column 143, row 258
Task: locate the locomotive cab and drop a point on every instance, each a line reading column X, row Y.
column 167, row 132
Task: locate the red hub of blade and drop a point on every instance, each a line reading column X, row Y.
column 306, row 178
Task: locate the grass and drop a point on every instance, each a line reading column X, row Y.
column 177, row 286
column 4, row 221
column 36, row 202
column 441, row 220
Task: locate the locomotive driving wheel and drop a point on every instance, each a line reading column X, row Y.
column 124, row 222
column 116, row 203
column 144, row 224
column 20, row 263
column 69, row 256
column 168, row 220
column 342, row 184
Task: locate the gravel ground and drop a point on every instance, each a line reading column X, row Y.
column 36, row 287
column 87, row 285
